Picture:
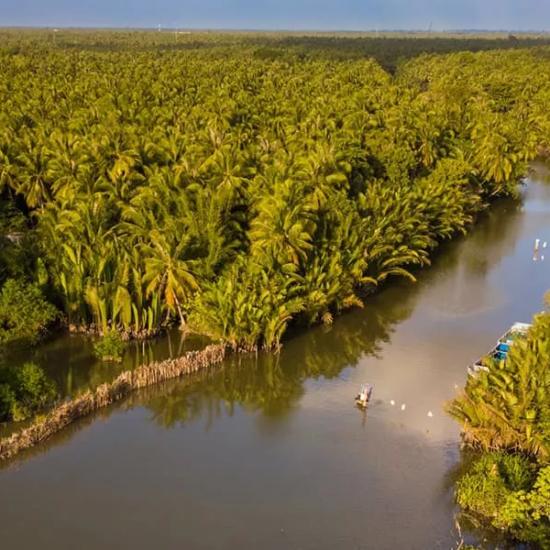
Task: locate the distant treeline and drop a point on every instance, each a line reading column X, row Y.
column 389, row 50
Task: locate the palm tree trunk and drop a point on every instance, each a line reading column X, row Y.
column 182, row 318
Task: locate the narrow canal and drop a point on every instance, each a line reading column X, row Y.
column 270, row 452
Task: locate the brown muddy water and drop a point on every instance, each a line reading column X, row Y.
column 270, row 452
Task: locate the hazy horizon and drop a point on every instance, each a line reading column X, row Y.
column 283, row 15
column 281, row 30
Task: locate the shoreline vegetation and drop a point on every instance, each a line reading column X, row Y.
column 505, row 417
column 80, row 406
column 241, row 185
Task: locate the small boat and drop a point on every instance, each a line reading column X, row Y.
column 500, row 351
column 363, row 397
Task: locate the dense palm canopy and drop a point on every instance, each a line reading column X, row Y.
column 237, row 193
column 508, row 407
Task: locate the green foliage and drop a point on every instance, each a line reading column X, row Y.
column 7, row 401
column 527, row 512
column 390, row 51
column 24, row 313
column 259, row 311
column 243, row 184
column 15, row 261
column 508, row 407
column 484, row 490
column 18, row 248
column 24, row 390
column 507, row 493
column 110, row 347
column 33, row 390
column 12, row 220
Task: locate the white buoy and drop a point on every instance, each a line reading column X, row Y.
column 392, row 402
column 542, row 258
column 544, row 244
column 537, row 241
column 430, row 414
column 403, row 407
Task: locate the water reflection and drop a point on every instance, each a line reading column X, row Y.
column 230, row 457
column 463, row 273
column 458, row 283
column 274, row 384
column 70, row 359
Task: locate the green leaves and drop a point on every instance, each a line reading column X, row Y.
column 212, row 182
column 24, row 390
column 508, row 494
column 110, row 347
column 508, row 407
column 24, row 313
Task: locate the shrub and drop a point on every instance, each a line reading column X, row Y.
column 24, row 313
column 506, row 493
column 24, row 390
column 110, row 347
column 484, row 489
column 528, row 512
column 33, row 390
column 7, row 400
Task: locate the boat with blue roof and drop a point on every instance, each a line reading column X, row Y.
column 500, row 351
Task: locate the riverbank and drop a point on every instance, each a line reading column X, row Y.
column 190, row 462
column 503, row 413
column 107, row 394
column 95, row 398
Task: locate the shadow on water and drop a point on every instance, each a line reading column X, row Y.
column 70, row 361
column 266, row 383
column 235, row 454
column 274, row 384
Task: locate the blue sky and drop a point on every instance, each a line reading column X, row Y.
column 281, row 14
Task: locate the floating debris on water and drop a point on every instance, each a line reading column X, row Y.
column 392, row 402
column 430, row 414
column 403, row 407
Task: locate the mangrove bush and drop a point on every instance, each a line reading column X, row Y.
column 110, row 347
column 24, row 391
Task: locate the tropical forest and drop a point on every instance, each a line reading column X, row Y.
column 247, row 188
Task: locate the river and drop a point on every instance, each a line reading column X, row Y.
column 270, row 452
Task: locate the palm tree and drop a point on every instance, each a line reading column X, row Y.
column 281, row 233
column 282, row 189
column 168, row 274
column 507, row 407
